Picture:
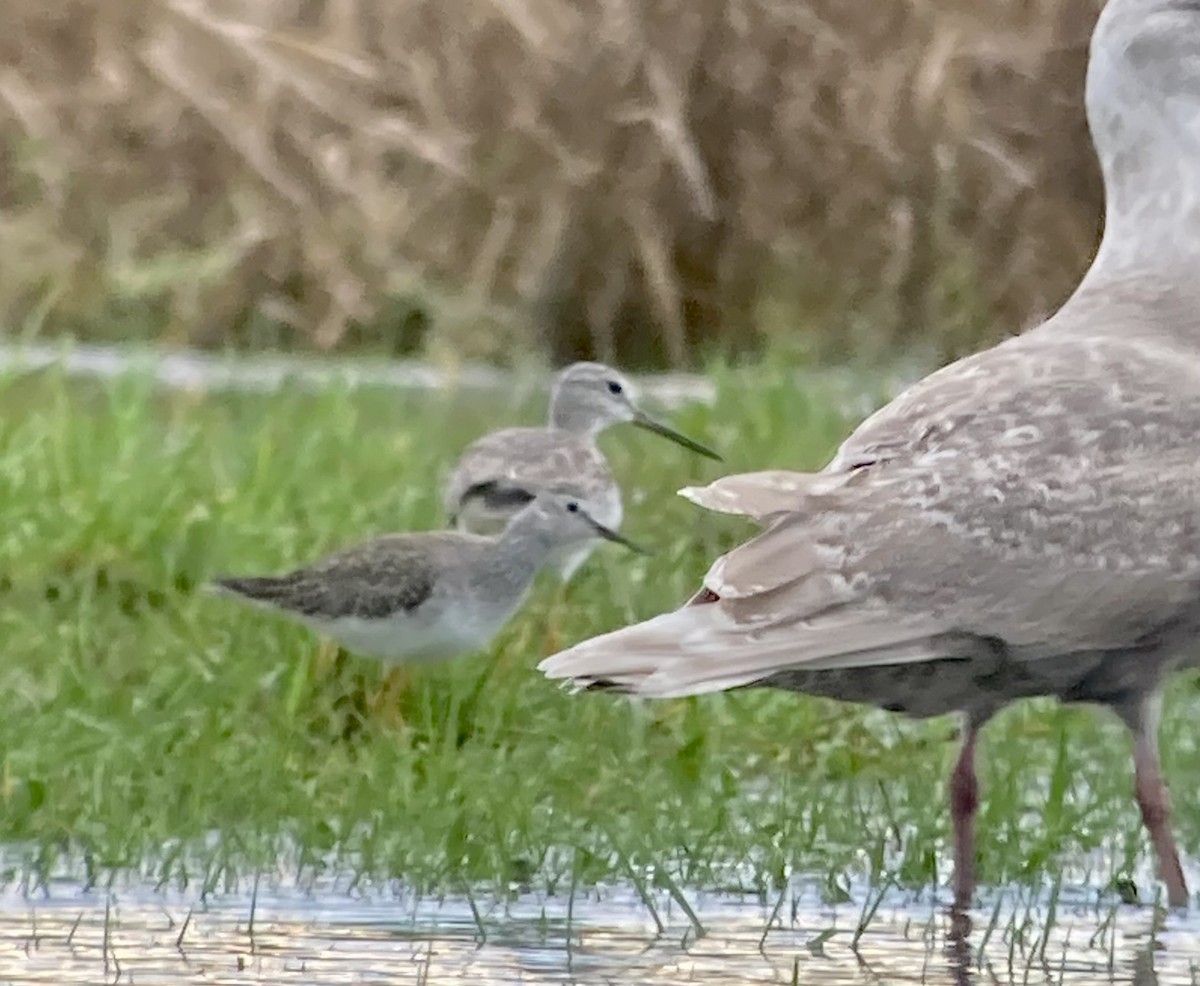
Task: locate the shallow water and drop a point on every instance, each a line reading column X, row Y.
column 316, row 935
column 189, row 369
column 184, row 369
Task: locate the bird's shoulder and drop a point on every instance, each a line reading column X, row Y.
column 540, row 458
column 385, row 574
column 532, row 444
column 1039, row 395
column 1041, row 447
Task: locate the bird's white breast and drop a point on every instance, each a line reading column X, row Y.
column 435, row 631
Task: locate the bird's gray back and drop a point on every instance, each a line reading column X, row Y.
column 1111, row 375
column 391, row 574
column 534, row 459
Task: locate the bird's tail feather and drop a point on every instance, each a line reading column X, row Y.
column 257, row 588
column 701, row 648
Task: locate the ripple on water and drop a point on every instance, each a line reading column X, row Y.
column 283, row 935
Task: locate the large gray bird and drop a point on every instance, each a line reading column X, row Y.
column 1022, row 522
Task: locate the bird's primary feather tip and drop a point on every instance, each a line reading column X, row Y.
column 550, row 666
column 222, row 586
column 242, row 587
column 576, row 686
column 717, row 498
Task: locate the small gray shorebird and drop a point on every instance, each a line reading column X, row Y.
column 1023, row 522
column 429, row 595
column 497, row 474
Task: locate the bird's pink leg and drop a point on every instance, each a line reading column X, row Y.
column 1155, row 803
column 964, row 801
column 1152, row 796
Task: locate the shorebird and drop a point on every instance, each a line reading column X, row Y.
column 1023, row 522
column 430, row 595
column 498, row 473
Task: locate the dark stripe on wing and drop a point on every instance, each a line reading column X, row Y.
column 497, row 495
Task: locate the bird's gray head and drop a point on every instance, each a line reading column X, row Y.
column 558, row 520
column 588, row 397
column 1143, row 107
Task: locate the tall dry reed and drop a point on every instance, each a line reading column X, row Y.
column 637, row 181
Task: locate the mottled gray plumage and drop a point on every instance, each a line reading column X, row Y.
column 1022, row 522
column 483, row 489
column 427, row 595
column 390, row 574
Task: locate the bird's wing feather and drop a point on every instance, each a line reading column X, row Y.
column 765, row 495
column 706, row 648
column 389, row 574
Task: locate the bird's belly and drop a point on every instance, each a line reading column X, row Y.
column 930, row 688
column 933, row 688
column 411, row 638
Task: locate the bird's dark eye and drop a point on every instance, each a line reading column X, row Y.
column 572, row 507
column 615, row 388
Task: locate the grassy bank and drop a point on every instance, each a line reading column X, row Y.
column 138, row 713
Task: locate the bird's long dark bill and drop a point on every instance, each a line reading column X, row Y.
column 647, row 422
column 610, row 535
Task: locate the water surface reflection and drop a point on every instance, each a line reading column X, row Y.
column 286, row 935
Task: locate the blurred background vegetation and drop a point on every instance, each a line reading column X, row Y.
column 652, row 183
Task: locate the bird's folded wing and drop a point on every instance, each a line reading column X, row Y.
column 914, row 568
column 1085, row 559
column 706, row 648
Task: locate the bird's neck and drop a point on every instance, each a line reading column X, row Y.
column 577, row 420
column 520, row 552
column 1143, row 103
column 1152, row 211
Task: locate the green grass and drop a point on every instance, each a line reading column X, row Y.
column 139, row 715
